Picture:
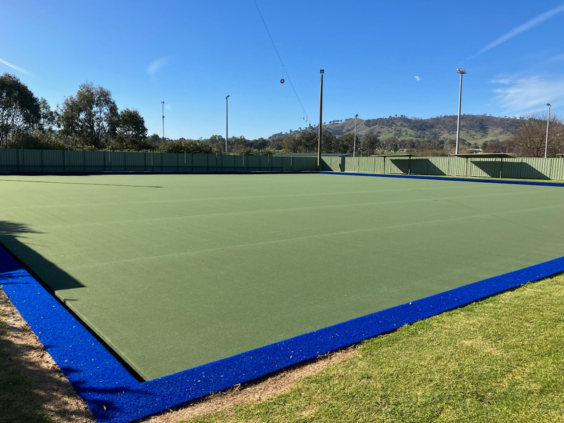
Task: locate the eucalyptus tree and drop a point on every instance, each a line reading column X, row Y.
column 91, row 117
column 19, row 109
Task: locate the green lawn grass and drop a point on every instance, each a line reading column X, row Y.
column 499, row 360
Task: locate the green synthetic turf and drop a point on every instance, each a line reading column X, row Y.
column 174, row 271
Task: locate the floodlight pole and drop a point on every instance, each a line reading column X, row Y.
column 461, row 72
column 226, row 121
column 321, row 71
column 162, row 102
column 547, row 125
column 354, row 144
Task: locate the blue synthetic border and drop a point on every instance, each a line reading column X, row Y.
column 114, row 396
column 449, row 178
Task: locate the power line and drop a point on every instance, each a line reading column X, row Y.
column 281, row 62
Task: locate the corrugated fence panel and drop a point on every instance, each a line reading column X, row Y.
column 351, row 164
column 396, row 165
column 94, row 161
column 557, row 169
column 228, row 163
column 366, row 164
column 331, row 164
column 55, row 161
column 13, row 160
column 31, row 160
column 199, row 163
column 9, row 161
column 287, row 163
column 457, row 166
column 169, row 162
column 116, row 161
column 265, row 163
column 484, row 168
column 535, row 168
column 438, row 166
column 76, row 161
column 277, row 163
column 135, row 162
column 298, row 163
column 311, row 164
column 253, row 163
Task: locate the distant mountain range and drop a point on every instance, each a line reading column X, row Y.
column 473, row 128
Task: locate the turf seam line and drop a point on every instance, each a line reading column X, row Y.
column 114, row 396
column 449, row 178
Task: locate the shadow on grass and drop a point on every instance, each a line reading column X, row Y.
column 40, row 268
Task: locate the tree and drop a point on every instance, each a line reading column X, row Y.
column 19, row 109
column 530, row 137
column 91, row 117
column 187, row 146
column 132, row 131
column 370, row 143
column 48, row 118
column 154, row 140
column 217, row 142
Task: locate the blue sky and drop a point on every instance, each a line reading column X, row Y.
column 381, row 58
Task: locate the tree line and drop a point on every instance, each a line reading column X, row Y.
column 90, row 119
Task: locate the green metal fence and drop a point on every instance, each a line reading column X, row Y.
column 50, row 161
column 511, row 168
column 55, row 161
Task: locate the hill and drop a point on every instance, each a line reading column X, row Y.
column 474, row 128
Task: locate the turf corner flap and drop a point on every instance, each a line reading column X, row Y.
column 115, row 396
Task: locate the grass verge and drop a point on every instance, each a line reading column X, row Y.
column 17, row 399
column 497, row 360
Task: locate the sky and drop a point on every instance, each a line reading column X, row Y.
column 381, row 58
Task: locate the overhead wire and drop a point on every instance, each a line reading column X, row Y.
column 281, row 61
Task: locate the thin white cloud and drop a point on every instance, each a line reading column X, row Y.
column 22, row 70
column 555, row 58
column 168, row 106
column 527, row 94
column 417, row 78
column 521, row 28
column 156, row 65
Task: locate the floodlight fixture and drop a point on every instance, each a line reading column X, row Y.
column 319, row 128
column 354, row 144
column 163, row 103
column 461, row 72
column 547, row 125
column 226, row 120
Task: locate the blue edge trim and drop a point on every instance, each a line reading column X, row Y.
column 115, row 396
column 450, row 178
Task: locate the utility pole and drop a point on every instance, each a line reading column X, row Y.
column 354, row 145
column 162, row 102
column 461, row 72
column 547, row 124
column 320, row 121
column 226, row 121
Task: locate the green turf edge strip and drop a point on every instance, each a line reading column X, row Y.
column 114, row 396
column 450, row 178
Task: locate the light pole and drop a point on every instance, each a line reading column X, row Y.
column 547, row 124
column 321, row 71
column 162, row 102
column 226, row 121
column 354, row 144
column 461, row 72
